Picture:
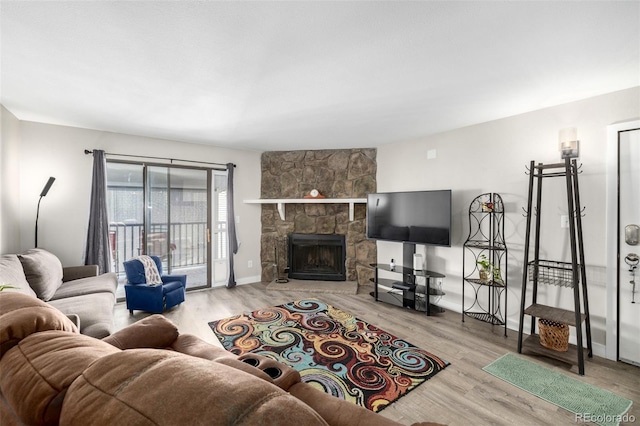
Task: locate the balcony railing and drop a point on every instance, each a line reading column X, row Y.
column 182, row 244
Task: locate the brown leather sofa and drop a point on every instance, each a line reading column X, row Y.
column 146, row 374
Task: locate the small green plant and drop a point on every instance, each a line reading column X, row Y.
column 496, row 274
column 486, row 268
column 4, row 286
column 484, row 263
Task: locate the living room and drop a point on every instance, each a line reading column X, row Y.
column 487, row 151
column 45, row 150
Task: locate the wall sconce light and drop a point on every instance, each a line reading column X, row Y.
column 44, row 192
column 569, row 144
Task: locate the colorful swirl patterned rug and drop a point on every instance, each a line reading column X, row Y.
column 333, row 351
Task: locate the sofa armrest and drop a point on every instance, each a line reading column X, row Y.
column 75, row 319
column 282, row 375
column 155, row 332
column 71, row 273
column 193, row 345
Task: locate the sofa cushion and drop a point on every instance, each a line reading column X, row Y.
column 11, row 273
column 35, row 375
column 186, row 390
column 43, row 271
column 22, row 315
column 70, row 273
column 95, row 312
column 105, row 283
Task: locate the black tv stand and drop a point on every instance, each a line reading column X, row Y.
column 407, row 293
column 408, row 250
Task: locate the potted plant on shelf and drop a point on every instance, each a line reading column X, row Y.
column 488, row 269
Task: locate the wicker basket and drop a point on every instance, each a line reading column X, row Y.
column 554, row 335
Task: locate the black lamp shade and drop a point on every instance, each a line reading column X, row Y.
column 42, row 194
column 47, row 186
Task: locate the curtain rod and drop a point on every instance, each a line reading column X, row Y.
column 87, row 152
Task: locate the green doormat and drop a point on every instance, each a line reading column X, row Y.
column 588, row 402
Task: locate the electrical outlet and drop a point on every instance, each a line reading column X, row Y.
column 250, row 264
column 564, row 221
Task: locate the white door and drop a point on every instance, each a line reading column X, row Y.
column 629, row 270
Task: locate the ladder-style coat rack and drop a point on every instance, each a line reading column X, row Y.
column 567, row 274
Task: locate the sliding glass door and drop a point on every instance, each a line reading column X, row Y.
column 174, row 212
column 125, row 208
column 177, row 221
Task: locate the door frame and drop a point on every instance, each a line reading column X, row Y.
column 613, row 235
column 215, row 232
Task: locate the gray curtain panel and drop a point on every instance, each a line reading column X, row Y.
column 98, row 251
column 231, row 226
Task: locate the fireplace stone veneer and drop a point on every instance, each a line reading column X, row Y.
column 339, row 174
column 317, row 257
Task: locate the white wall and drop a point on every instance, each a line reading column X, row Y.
column 9, row 181
column 491, row 157
column 50, row 150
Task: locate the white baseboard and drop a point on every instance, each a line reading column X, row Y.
column 450, row 306
column 248, row 280
column 239, row 281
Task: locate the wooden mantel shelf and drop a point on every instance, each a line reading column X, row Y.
column 282, row 201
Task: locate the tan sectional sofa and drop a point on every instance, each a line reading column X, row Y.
column 78, row 291
column 147, row 374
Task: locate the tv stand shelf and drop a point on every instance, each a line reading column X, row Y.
column 407, row 271
column 412, row 295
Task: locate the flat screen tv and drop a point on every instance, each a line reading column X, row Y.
column 420, row 217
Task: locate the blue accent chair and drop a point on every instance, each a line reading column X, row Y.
column 152, row 298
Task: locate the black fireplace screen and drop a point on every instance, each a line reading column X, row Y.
column 317, row 257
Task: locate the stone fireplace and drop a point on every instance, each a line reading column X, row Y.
column 341, row 173
column 317, row 257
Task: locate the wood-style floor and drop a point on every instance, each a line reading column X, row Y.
column 462, row 394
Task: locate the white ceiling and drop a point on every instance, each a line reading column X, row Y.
column 310, row 74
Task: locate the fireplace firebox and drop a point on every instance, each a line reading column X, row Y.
column 317, row 257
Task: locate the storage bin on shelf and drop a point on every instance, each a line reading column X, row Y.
column 554, row 335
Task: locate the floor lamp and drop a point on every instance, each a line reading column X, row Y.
column 44, row 192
